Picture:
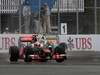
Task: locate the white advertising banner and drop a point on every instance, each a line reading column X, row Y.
column 81, row 42
column 7, row 40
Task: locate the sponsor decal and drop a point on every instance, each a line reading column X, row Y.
column 6, row 42
column 70, row 43
column 83, row 43
column 79, row 43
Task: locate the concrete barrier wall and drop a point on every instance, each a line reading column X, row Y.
column 78, row 45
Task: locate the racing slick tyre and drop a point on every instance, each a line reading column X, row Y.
column 44, row 60
column 60, row 48
column 59, row 60
column 14, row 53
column 44, row 56
column 28, row 51
column 28, row 59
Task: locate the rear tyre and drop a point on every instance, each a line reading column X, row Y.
column 60, row 60
column 28, row 59
column 14, row 53
column 44, row 60
column 28, row 51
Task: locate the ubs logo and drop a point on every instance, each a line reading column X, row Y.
column 70, row 44
column 79, row 43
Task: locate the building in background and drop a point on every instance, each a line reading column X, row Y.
column 67, row 13
column 9, row 14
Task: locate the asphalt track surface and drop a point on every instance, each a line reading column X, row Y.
column 72, row 66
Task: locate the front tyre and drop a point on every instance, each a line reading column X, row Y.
column 44, row 60
column 59, row 60
column 14, row 53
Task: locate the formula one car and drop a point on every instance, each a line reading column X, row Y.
column 33, row 48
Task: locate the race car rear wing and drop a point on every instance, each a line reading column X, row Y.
column 26, row 39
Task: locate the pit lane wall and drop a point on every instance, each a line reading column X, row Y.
column 74, row 42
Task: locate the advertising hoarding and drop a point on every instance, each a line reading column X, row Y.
column 81, row 42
